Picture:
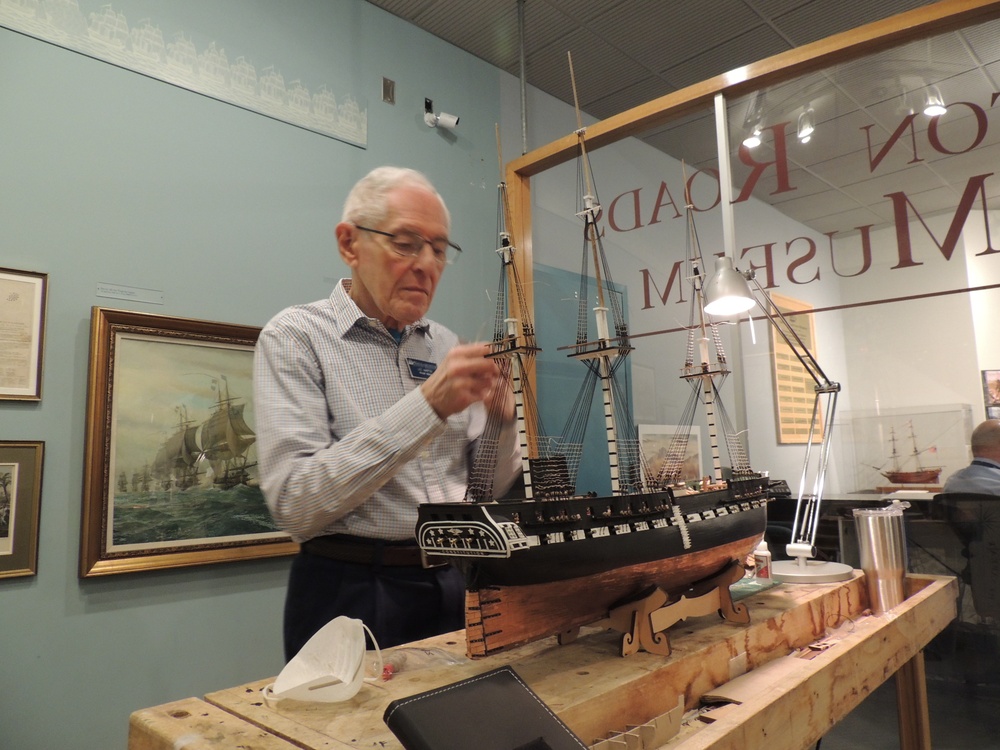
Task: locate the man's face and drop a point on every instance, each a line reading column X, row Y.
column 395, row 289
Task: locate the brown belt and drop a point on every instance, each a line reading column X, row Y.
column 363, row 551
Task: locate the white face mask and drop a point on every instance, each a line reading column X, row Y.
column 329, row 668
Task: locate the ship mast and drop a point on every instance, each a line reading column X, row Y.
column 913, row 442
column 894, row 454
column 705, row 371
column 513, row 346
column 603, row 349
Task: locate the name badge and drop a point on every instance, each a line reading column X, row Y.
column 419, row 369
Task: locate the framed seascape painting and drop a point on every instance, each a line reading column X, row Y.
column 22, row 334
column 20, row 501
column 170, row 469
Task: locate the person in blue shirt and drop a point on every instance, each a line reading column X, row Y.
column 982, row 476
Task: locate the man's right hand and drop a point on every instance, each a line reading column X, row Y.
column 464, row 377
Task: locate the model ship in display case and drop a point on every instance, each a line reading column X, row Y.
column 908, row 470
column 558, row 558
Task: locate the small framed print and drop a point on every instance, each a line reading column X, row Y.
column 22, row 334
column 673, row 452
column 991, row 391
column 20, row 501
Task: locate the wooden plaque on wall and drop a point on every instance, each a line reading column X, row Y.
column 794, row 387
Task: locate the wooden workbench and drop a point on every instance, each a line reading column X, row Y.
column 597, row 692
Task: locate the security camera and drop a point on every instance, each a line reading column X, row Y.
column 446, row 121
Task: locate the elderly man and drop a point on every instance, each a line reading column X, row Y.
column 983, row 474
column 365, row 409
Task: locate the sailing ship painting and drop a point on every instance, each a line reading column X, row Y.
column 908, row 469
column 558, row 558
column 184, row 449
column 176, row 462
column 217, row 447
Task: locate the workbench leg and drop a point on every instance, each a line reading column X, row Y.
column 911, row 705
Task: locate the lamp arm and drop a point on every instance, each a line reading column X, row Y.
column 807, row 507
column 790, row 336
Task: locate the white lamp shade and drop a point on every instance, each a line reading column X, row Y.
column 727, row 292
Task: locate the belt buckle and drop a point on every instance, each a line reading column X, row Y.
column 425, row 560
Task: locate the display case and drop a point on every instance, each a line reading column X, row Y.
column 896, row 449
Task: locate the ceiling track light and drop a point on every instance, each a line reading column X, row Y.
column 753, row 121
column 807, row 125
column 934, row 103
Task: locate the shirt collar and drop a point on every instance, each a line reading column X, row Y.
column 349, row 315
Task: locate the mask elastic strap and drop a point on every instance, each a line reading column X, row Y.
column 268, row 692
column 378, row 656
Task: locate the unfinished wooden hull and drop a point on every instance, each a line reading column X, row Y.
column 923, row 476
column 502, row 617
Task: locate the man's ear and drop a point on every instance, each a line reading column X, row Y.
column 347, row 236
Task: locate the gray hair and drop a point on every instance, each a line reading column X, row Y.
column 367, row 203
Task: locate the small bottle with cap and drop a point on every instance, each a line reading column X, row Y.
column 762, row 561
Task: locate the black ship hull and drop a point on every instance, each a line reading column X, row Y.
column 528, row 542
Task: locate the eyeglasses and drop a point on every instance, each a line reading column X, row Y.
column 409, row 245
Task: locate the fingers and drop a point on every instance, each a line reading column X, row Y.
column 464, row 377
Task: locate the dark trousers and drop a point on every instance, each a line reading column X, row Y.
column 399, row 604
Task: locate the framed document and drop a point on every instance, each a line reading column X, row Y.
column 22, row 334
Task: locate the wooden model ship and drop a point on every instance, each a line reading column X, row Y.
column 556, row 559
column 918, row 474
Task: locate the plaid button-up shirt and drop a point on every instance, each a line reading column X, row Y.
column 346, row 441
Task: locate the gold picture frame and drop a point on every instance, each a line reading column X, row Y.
column 22, row 323
column 20, row 505
column 169, row 467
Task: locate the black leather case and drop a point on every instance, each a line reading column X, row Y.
column 492, row 711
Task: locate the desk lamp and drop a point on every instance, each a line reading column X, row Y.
column 730, row 292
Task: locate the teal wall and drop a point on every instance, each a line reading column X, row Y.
column 107, row 176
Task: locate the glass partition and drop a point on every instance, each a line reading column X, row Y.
column 869, row 200
column 868, row 211
column 866, row 214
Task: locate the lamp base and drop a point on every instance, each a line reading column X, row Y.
column 801, row 570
